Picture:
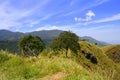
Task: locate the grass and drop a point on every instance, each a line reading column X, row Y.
column 106, row 65
column 113, row 52
column 50, row 65
column 19, row 68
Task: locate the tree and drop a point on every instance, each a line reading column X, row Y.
column 31, row 45
column 66, row 40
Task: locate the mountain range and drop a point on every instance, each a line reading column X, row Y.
column 10, row 38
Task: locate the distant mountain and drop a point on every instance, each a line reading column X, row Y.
column 8, row 35
column 92, row 40
column 44, row 34
column 9, row 38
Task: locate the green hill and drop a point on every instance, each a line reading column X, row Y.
column 92, row 40
column 105, row 64
column 11, row 38
column 54, row 66
column 113, row 52
column 13, row 67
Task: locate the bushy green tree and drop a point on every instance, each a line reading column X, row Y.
column 31, row 45
column 66, row 40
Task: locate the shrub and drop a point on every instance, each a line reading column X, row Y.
column 66, row 40
column 4, row 57
column 31, row 45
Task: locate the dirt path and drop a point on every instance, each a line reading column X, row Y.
column 56, row 76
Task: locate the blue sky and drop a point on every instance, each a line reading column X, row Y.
column 99, row 19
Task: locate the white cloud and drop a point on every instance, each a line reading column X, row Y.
column 86, row 6
column 47, row 27
column 78, row 19
column 112, row 18
column 107, row 19
column 12, row 17
column 73, row 2
column 53, row 27
column 89, row 16
column 107, row 33
column 9, row 16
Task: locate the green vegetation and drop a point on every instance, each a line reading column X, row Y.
column 113, row 52
column 31, row 45
column 53, row 65
column 105, row 64
column 9, row 40
column 66, row 40
column 10, row 46
column 43, row 68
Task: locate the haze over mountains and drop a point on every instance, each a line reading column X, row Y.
column 46, row 35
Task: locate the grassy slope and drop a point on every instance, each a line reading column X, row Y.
column 17, row 68
column 13, row 67
column 113, row 52
column 105, row 64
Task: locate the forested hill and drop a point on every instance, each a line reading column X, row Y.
column 9, row 39
column 44, row 34
column 9, row 35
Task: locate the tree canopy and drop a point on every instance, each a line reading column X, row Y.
column 31, row 45
column 66, row 40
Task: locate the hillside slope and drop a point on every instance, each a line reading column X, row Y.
column 113, row 52
column 92, row 40
column 105, row 65
column 13, row 67
column 54, row 66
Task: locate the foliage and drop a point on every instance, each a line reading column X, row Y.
column 105, row 65
column 44, row 68
column 11, row 46
column 66, row 40
column 31, row 45
column 76, row 67
column 4, row 57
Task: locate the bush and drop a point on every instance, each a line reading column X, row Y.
column 17, row 67
column 31, row 45
column 66, row 40
column 4, row 57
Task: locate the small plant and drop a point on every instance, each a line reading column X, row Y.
column 4, row 57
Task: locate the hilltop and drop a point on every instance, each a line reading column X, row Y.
column 54, row 66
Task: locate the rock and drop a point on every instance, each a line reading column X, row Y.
column 94, row 60
column 90, row 56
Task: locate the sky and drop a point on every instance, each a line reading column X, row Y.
column 99, row 19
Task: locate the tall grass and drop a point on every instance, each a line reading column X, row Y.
column 19, row 68
column 75, row 67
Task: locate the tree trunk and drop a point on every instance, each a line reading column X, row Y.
column 66, row 52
